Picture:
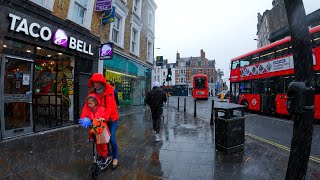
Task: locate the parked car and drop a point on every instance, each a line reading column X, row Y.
column 226, row 94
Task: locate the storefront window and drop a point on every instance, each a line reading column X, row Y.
column 53, row 87
column 132, row 80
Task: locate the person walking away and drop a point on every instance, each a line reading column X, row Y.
column 93, row 110
column 98, row 85
column 155, row 99
column 115, row 93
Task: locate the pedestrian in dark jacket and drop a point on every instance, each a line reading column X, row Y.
column 155, row 99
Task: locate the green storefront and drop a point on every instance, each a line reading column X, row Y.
column 132, row 79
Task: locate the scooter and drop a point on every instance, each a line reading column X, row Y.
column 97, row 166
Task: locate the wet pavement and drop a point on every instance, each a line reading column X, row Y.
column 187, row 151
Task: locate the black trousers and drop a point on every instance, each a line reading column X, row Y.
column 156, row 118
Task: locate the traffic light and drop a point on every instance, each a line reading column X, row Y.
column 169, row 75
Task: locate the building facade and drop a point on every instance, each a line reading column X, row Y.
column 183, row 70
column 132, row 34
column 273, row 24
column 50, row 48
column 47, row 48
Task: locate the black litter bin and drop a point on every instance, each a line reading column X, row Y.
column 229, row 127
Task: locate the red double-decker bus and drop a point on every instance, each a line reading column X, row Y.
column 260, row 78
column 200, row 88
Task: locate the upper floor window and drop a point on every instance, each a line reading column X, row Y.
column 137, row 7
column 80, row 12
column 117, row 28
column 135, row 38
column 48, row 4
column 150, row 51
column 150, row 21
column 235, row 64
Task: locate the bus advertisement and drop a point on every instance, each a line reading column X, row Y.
column 200, row 88
column 260, row 78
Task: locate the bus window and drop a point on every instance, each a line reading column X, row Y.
column 245, row 61
column 235, row 65
column 282, row 50
column 245, row 87
column 316, row 39
column 256, row 86
column 318, row 84
column 200, row 83
column 266, row 55
column 255, row 58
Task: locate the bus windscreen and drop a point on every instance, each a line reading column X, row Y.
column 200, row 83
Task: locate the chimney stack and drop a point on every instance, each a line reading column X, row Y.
column 202, row 54
column 178, row 55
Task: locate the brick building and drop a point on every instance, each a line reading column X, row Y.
column 132, row 34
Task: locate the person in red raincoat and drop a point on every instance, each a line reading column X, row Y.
column 98, row 85
column 92, row 109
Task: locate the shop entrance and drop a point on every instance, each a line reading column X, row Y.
column 16, row 96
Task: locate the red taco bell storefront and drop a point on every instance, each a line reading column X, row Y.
column 44, row 67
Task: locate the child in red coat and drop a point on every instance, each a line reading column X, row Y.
column 94, row 111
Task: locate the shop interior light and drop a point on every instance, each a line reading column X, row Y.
column 48, row 55
column 59, row 54
column 122, row 74
column 28, row 51
column 4, row 46
column 38, row 47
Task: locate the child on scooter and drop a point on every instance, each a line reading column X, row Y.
column 96, row 114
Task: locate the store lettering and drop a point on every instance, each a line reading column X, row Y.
column 35, row 30
column 79, row 46
column 113, row 76
column 45, row 32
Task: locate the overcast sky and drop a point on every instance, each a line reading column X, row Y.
column 224, row 29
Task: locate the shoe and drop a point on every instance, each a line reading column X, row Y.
column 114, row 166
column 158, row 138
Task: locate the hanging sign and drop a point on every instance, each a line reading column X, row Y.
column 106, row 51
column 103, row 5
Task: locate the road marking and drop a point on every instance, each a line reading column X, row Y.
column 312, row 158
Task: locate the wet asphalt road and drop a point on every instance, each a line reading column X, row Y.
column 187, row 151
column 273, row 129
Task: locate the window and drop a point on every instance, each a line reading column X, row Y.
column 150, row 21
column 80, row 8
column 134, row 41
column 256, row 86
column 287, row 81
column 245, row 62
column 150, row 51
column 181, row 80
column 268, row 54
column 200, row 83
column 235, row 64
column 135, row 36
column 245, row 87
column 116, row 30
column 80, row 12
column 195, row 71
column 204, row 71
column 137, row 7
column 164, row 73
column 48, row 4
column 255, row 59
column 281, row 50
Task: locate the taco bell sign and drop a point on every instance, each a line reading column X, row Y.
column 106, row 51
column 60, row 37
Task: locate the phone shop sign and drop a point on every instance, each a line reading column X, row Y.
column 59, row 37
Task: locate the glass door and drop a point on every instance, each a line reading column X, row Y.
column 16, row 114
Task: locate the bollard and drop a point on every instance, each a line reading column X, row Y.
column 211, row 119
column 184, row 108
column 178, row 103
column 195, row 108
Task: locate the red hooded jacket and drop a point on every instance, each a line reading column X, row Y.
column 107, row 98
column 98, row 112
